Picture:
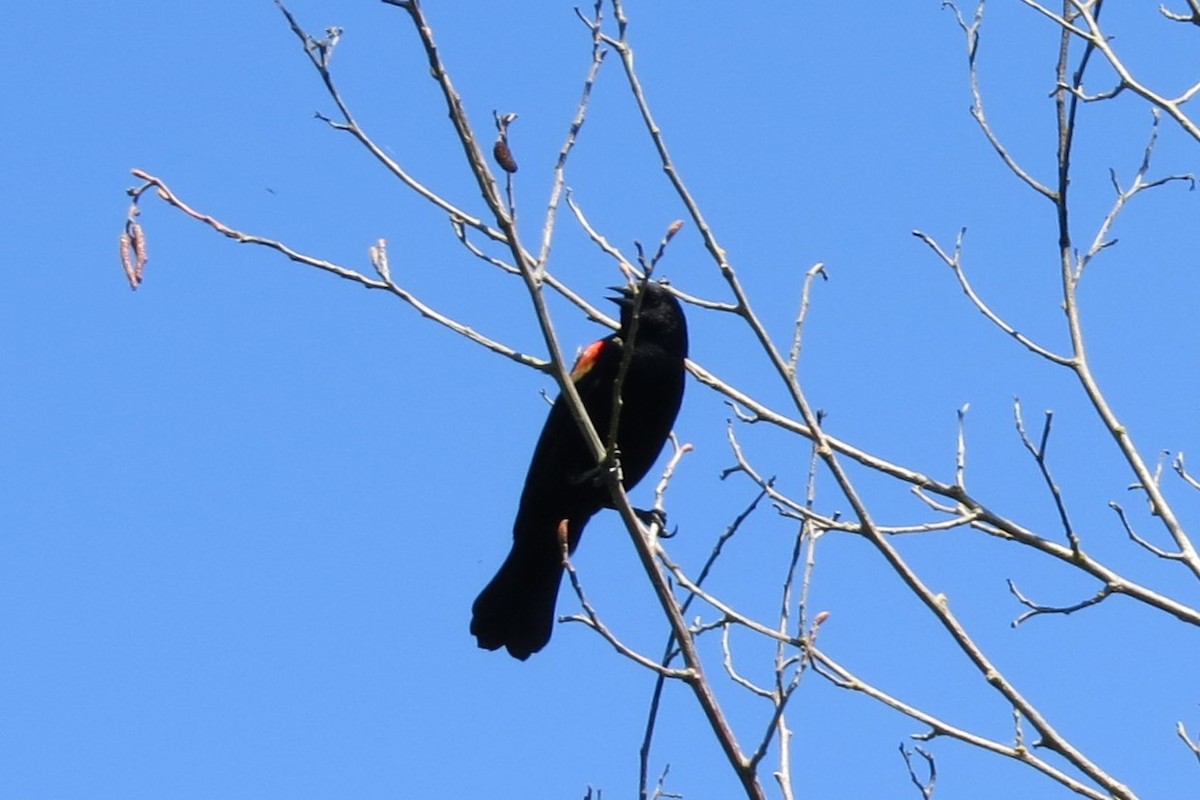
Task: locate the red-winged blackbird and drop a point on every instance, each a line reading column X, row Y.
column 516, row 610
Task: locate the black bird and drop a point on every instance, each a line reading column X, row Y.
column 516, row 610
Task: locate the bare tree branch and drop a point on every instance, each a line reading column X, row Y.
column 1039, row 456
column 971, row 32
column 953, row 261
column 1192, row 744
column 1101, row 241
column 1035, row 609
column 834, row 672
column 926, row 786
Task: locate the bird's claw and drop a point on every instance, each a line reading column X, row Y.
column 655, row 518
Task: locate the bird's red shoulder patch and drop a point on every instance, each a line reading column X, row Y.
column 587, row 359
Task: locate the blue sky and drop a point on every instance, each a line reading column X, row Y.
column 244, row 510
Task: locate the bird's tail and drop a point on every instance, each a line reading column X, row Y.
column 516, row 610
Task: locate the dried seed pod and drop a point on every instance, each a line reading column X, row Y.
column 127, row 261
column 138, row 239
column 504, row 156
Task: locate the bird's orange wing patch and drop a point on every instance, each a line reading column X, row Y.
column 587, row 359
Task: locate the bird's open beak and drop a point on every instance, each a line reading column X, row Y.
column 627, row 294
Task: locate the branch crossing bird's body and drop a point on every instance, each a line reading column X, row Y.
column 516, row 610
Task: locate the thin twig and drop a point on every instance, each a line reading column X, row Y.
column 1193, row 17
column 1178, row 465
column 560, row 166
column 1036, row 608
column 802, row 316
column 971, row 33
column 1039, row 457
column 1133, row 535
column 926, row 786
column 953, row 261
column 1139, row 184
column 840, row 676
column 593, row 621
column 166, row 194
column 1192, row 744
column 350, row 125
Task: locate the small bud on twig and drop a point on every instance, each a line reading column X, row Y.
column 379, row 260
